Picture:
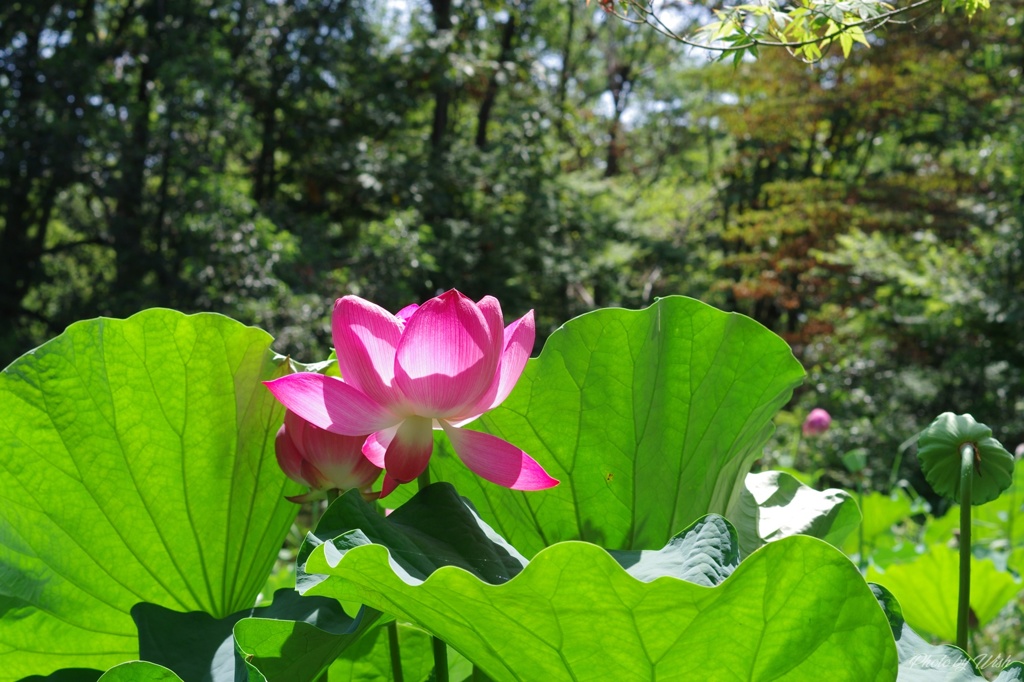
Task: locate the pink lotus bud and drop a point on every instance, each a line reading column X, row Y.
column 817, row 422
column 322, row 460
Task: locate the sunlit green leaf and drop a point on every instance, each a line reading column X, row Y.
column 138, row 467
column 774, row 505
column 846, row 42
column 67, row 675
column 927, row 590
column 879, row 514
column 139, row 671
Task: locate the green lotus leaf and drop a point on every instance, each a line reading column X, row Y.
column 774, row 505
column 945, row 529
column 1011, row 673
column 138, row 467
column 938, row 449
column 889, row 550
column 281, row 646
column 139, row 671
column 294, row 637
column 879, row 513
column 66, row 675
column 927, row 589
column 437, row 528
column 369, row 659
column 1016, row 560
column 924, row 662
column 856, row 460
column 795, row 610
column 650, row 419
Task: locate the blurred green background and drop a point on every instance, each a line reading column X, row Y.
column 261, row 158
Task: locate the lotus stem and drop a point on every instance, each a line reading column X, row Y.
column 1011, row 516
column 395, row 652
column 317, row 510
column 394, row 648
column 964, row 604
column 862, row 563
column 440, row 648
column 440, row 660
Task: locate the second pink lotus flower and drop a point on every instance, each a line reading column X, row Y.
column 438, row 365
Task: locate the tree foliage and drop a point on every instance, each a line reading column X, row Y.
column 262, row 159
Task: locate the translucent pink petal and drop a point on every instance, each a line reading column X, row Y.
column 405, row 313
column 497, row 460
column 331, row 404
column 491, row 310
column 408, row 453
column 365, row 339
column 518, row 338
column 448, row 355
column 376, row 445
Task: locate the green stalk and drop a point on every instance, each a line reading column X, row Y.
column 332, row 495
column 862, row 562
column 317, row 509
column 440, row 660
column 394, row 648
column 1011, row 515
column 964, row 605
column 440, row 648
column 894, row 474
column 396, row 653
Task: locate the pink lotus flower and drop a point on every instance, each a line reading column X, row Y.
column 438, row 365
column 817, row 422
column 322, row 460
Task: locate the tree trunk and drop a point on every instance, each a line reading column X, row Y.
column 619, row 84
column 563, row 76
column 442, row 90
column 504, row 55
column 263, row 186
column 132, row 259
column 24, row 231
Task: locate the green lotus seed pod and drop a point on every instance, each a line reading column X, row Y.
column 938, row 449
